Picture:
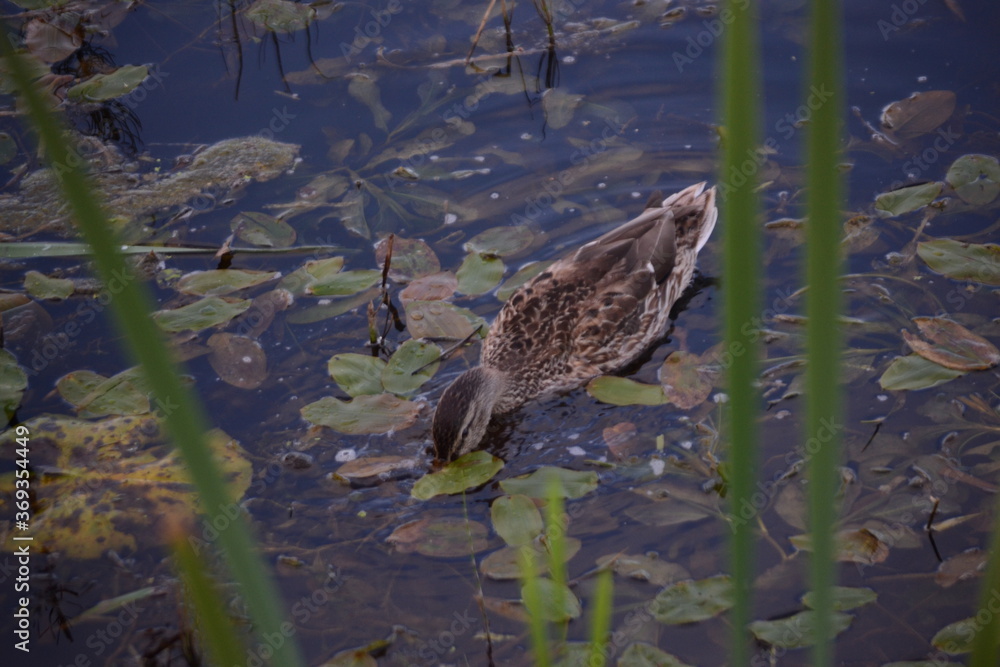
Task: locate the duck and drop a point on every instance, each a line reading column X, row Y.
column 591, row 313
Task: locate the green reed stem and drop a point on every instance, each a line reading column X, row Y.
column 985, row 648
column 823, row 308
column 184, row 418
column 741, row 299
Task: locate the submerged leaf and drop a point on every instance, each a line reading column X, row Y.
column 907, row 199
column 640, row 654
column 559, row 107
column 623, row 391
column 440, row 537
column 364, row 89
column 976, row 178
column 693, row 601
column 845, row 598
column 239, row 361
column 919, row 113
column 952, row 345
column 264, row 230
column 467, row 472
column 796, row 631
column 962, row 261
column 506, row 564
column 915, row 372
column 687, row 379
column 281, row 15
column 101, row 87
column 538, row 484
column 364, row 414
column 13, row 382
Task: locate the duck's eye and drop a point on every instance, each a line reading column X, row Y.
column 465, row 432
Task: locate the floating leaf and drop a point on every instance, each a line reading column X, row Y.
column 54, row 38
column 467, row 472
column 558, row 601
column 479, row 273
column 501, row 241
column 375, row 466
column 364, row 89
column 667, row 511
column 345, row 283
column 101, row 87
column 796, row 631
column 640, row 654
column 440, row 320
column 516, row 519
column 281, row 15
column 919, row 113
column 523, row 275
column 853, row 546
column 961, row 567
column 199, row 315
column 41, row 286
column 506, row 564
column 314, row 271
column 220, row 282
column 907, row 199
column 410, row 366
column 958, row 637
column 239, row 361
column 261, row 229
column 693, row 601
column 644, row 568
column 566, row 483
column 559, row 107
column 357, row 374
column 845, row 598
column 687, row 380
column 915, row 372
column 94, row 395
column 623, row 391
column 976, row 178
column 962, row 261
column 364, row 414
column 440, row 537
column 952, row 345
column 411, row 258
column 13, row 382
column 435, row 287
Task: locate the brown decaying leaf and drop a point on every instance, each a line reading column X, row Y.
column 374, row 466
column 621, row 439
column 919, row 113
column 952, row 345
column 968, row 564
column 687, row 378
column 435, row 287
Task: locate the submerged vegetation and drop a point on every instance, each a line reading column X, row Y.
column 327, row 317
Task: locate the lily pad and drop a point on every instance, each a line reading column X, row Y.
column 261, row 229
column 845, row 598
column 915, row 372
column 907, row 199
column 467, row 472
column 558, row 601
column 919, row 113
column 411, row 258
column 357, row 374
column 687, row 379
column 853, row 546
column 434, row 287
column 13, row 382
column 537, row 484
column 644, row 568
column 501, row 241
column 958, row 637
column 798, row 631
column 94, row 395
column 506, row 564
column 479, row 273
column 345, row 283
column 42, row 286
column 239, row 361
column 101, row 87
column 976, row 178
column 313, row 271
column 693, row 601
column 208, row 312
column 375, row 467
column 440, row 320
column 952, row 345
column 54, row 38
column 410, row 366
column 440, row 537
column 640, row 654
column 364, row 414
column 962, row 261
column 220, row 282
column 281, row 15
column 623, row 391
column 516, row 519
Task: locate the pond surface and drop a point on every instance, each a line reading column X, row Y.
column 359, row 136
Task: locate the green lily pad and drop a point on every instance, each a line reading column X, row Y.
column 261, row 229
column 13, row 382
column 467, row 472
column 440, row 320
column 976, row 178
column 501, row 241
column 208, row 312
column 411, row 258
column 962, row 261
column 640, row 654
column 798, row 631
column 479, row 273
column 558, row 603
column 41, row 286
column 523, row 275
column 958, row 637
column 693, row 601
column 623, row 391
column 915, row 372
column 845, row 598
column 440, row 537
column 516, row 519
column 364, row 414
column 101, row 87
column 94, row 395
column 952, row 345
column 345, row 283
column 687, row 380
column 410, row 366
column 281, row 15
column 357, row 374
column 567, row 483
column 507, row 563
column 907, row 199
column 220, row 282
column 314, row 271
column 238, row 360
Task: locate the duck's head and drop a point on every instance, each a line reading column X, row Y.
column 464, row 411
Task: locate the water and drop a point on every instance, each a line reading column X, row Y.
column 645, row 120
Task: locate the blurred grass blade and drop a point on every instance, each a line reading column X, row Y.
column 740, row 296
column 184, row 418
column 985, row 650
column 534, row 606
column 823, row 307
column 600, row 618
